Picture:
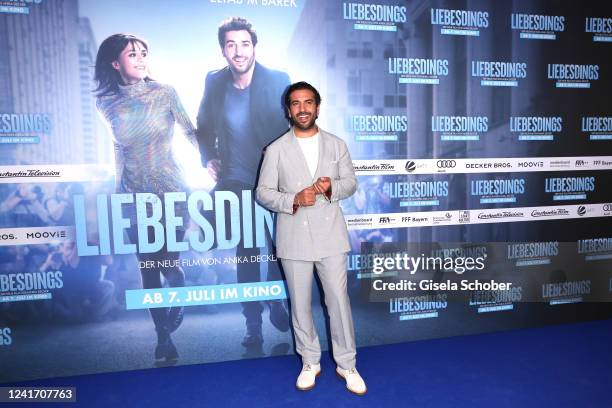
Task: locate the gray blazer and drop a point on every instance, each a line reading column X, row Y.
column 315, row 232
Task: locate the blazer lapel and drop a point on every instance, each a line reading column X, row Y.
column 322, row 150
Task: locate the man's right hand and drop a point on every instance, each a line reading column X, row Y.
column 306, row 197
column 214, row 168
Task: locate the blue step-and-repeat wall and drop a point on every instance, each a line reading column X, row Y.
column 480, row 131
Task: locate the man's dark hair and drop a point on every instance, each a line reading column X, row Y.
column 236, row 24
column 301, row 85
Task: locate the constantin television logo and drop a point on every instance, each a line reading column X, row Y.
column 537, row 26
column 573, row 75
column 460, row 22
column 28, row 173
column 374, row 17
column 500, row 214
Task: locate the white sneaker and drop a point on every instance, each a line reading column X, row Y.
column 354, row 382
column 306, row 379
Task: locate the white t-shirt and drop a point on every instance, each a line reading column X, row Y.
column 310, row 148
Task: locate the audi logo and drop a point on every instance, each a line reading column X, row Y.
column 446, row 164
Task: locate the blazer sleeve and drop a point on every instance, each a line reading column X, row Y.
column 346, row 184
column 205, row 123
column 267, row 192
column 281, row 124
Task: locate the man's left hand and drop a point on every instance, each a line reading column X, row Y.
column 322, row 185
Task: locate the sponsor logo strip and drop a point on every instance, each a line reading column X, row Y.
column 488, row 165
column 476, row 216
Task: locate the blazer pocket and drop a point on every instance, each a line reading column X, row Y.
column 334, row 169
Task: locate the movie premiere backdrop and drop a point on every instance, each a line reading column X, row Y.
column 476, row 128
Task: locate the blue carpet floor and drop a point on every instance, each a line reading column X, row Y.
column 557, row 366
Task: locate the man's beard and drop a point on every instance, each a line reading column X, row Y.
column 306, row 126
column 240, row 71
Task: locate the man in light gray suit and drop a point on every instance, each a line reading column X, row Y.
column 303, row 176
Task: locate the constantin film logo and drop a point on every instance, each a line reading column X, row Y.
column 374, row 167
column 556, row 212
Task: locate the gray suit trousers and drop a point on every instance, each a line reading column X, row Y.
column 332, row 273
